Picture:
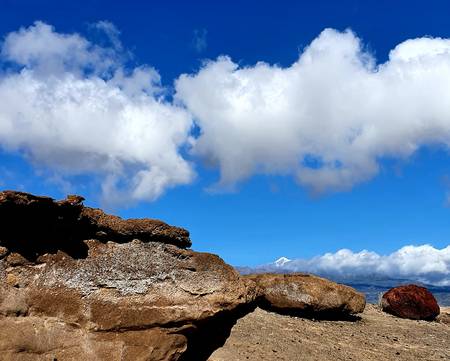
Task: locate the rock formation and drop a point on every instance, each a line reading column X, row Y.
column 410, row 301
column 307, row 295
column 75, row 285
column 79, row 284
column 33, row 225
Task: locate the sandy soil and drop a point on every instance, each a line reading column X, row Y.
column 263, row 335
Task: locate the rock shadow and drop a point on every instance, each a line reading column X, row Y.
column 42, row 226
column 211, row 334
column 330, row 315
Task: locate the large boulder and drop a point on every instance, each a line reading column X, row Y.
column 140, row 299
column 307, row 295
column 410, row 301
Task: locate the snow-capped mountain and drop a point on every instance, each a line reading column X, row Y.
column 280, row 262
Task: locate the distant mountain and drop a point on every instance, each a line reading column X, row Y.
column 280, row 262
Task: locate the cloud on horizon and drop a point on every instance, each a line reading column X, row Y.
column 75, row 107
column 422, row 263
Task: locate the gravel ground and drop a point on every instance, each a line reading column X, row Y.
column 378, row 336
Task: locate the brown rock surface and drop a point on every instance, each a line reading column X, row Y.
column 131, row 301
column 444, row 316
column 78, row 284
column 410, row 301
column 307, row 294
column 34, row 225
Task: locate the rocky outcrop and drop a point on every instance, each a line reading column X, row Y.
column 34, row 225
column 134, row 301
column 307, row 295
column 123, row 299
column 410, row 301
column 76, row 283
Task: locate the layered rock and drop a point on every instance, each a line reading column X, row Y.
column 307, row 295
column 410, row 301
column 76, row 283
column 34, row 225
column 148, row 300
column 122, row 300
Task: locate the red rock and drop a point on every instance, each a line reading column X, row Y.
column 410, row 301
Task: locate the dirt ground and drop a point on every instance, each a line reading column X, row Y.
column 264, row 335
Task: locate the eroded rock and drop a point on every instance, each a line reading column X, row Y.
column 34, row 225
column 307, row 295
column 47, row 338
column 76, row 283
column 410, row 301
column 149, row 299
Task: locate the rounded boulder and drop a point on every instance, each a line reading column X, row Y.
column 410, row 301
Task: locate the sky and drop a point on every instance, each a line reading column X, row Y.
column 266, row 129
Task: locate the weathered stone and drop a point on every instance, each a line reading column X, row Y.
column 76, row 283
column 34, row 225
column 444, row 317
column 410, row 301
column 16, row 259
column 47, row 338
column 3, row 251
column 149, row 301
column 307, row 294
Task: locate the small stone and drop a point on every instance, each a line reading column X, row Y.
column 12, row 280
column 73, row 199
column 3, row 251
column 16, row 259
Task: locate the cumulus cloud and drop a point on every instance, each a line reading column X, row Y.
column 327, row 119
column 422, row 263
column 73, row 107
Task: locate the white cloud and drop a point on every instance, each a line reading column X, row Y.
column 47, row 52
column 328, row 118
column 422, row 263
column 73, row 107
column 111, row 32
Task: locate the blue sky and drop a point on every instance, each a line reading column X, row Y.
column 254, row 218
